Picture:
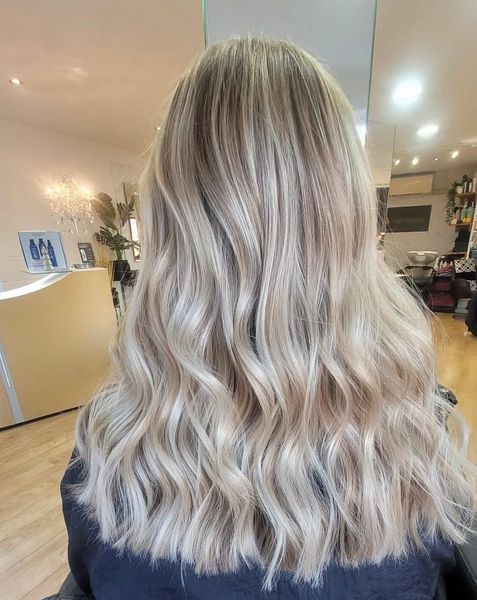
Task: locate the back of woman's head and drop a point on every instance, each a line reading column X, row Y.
column 273, row 401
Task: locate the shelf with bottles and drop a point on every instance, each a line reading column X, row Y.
column 466, row 196
column 463, row 215
column 466, row 188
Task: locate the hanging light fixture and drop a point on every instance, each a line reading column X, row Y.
column 70, row 203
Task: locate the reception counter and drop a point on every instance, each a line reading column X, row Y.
column 54, row 340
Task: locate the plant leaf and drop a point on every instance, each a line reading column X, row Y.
column 124, row 212
column 103, row 205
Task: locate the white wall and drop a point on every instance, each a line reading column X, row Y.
column 440, row 236
column 445, row 178
column 30, row 159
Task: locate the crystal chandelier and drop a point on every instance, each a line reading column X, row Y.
column 70, row 203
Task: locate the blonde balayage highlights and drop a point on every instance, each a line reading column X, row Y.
column 273, row 400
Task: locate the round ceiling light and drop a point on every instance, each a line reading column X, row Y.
column 415, row 161
column 428, row 130
column 454, row 154
column 407, row 92
column 15, row 81
column 397, row 161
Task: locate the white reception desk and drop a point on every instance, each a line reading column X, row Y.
column 54, row 340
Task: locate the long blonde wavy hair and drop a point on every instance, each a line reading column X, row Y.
column 273, row 401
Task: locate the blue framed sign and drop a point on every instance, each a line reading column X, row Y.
column 43, row 251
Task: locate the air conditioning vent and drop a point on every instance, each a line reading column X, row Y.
column 405, row 185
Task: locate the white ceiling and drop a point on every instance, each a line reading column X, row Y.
column 432, row 41
column 103, row 69
column 100, row 69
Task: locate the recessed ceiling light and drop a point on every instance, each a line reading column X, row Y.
column 454, row 154
column 415, row 160
column 407, row 92
column 15, row 81
column 436, row 158
column 428, row 130
column 158, row 127
column 397, row 161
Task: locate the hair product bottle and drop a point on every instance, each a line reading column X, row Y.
column 35, row 253
column 470, row 213
column 51, row 253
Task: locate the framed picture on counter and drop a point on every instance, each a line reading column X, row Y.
column 86, row 253
column 43, row 251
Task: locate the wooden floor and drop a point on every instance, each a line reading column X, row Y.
column 457, row 370
column 33, row 457
column 32, row 535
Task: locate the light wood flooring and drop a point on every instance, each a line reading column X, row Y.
column 33, row 457
column 457, row 370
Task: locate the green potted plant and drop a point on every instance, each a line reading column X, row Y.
column 110, row 234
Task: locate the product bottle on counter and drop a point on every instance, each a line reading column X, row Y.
column 463, row 214
column 51, row 253
column 35, row 253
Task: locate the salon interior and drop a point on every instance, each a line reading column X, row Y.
column 83, row 88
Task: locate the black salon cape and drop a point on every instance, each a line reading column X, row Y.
column 101, row 572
